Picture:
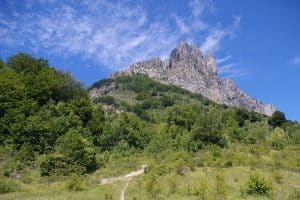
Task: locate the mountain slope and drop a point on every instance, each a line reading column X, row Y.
column 188, row 68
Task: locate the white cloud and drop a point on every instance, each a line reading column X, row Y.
column 232, row 70
column 222, row 60
column 183, row 28
column 114, row 34
column 295, row 60
column 198, row 7
column 213, row 39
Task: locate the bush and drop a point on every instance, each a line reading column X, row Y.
column 295, row 195
column 278, row 177
column 105, row 99
column 52, row 164
column 108, row 196
column 277, row 119
column 173, row 184
column 77, row 150
column 221, row 188
column 26, row 153
column 257, row 185
column 201, row 190
column 152, row 187
column 7, row 186
column 74, row 183
column 277, row 139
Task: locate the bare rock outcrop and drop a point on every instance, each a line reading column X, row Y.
column 189, row 68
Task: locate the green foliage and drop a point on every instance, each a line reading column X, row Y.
column 241, row 115
column 102, row 82
column 67, row 88
column 173, row 184
column 209, row 129
column 75, row 183
column 126, row 127
column 2, row 65
column 108, row 196
column 292, row 131
column 166, row 101
column 257, row 185
column 182, row 115
column 76, row 149
column 221, row 192
column 152, row 187
column 25, row 63
column 83, row 108
column 277, row 119
column 278, row 177
column 74, row 154
column 31, row 103
column 201, row 190
column 278, row 139
column 47, row 118
column 295, row 195
column 26, row 153
column 7, row 186
column 53, row 164
column 105, row 99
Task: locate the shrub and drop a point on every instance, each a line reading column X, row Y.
column 105, row 99
column 201, row 190
column 26, row 154
column 173, row 184
column 76, row 150
column 152, row 187
column 277, row 139
column 257, row 185
column 74, row 183
column 53, row 163
column 7, row 186
column 221, row 192
column 277, row 119
column 278, row 177
column 108, row 196
column 295, row 195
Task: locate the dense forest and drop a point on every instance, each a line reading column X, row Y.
column 55, row 140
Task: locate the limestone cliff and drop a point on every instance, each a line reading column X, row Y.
column 188, row 68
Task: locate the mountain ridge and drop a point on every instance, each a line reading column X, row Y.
column 189, row 68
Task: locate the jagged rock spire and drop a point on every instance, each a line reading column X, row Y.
column 188, row 68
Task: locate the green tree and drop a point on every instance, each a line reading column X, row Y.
column 26, row 64
column 83, row 108
column 2, row 65
column 241, row 115
column 25, row 153
column 182, row 115
column 277, row 119
column 76, row 149
column 209, row 129
column 127, row 127
column 68, row 88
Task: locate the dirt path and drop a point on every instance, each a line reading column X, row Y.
column 126, row 178
column 122, row 195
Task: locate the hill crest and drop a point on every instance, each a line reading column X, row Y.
column 188, row 68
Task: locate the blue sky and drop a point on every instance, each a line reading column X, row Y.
column 256, row 42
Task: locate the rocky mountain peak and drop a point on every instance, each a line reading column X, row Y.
column 189, row 68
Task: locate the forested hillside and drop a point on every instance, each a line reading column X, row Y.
column 57, row 142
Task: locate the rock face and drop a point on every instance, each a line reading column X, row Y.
column 188, row 68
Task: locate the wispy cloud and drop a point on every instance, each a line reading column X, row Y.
column 295, row 60
column 232, row 70
column 113, row 33
column 212, row 41
column 222, row 60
